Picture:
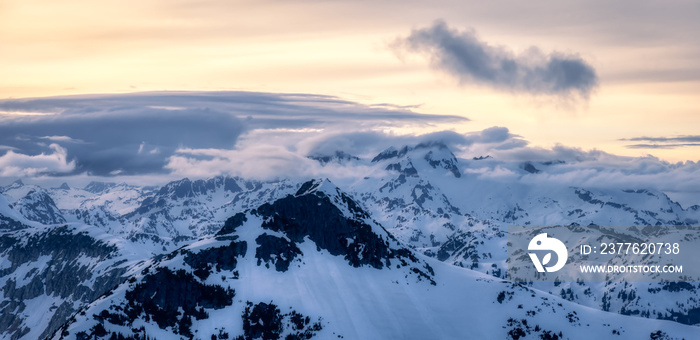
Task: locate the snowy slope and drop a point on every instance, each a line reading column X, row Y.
column 48, row 272
column 461, row 217
column 10, row 219
column 315, row 265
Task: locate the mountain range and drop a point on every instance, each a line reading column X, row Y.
column 412, row 245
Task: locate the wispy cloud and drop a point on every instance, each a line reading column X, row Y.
column 661, row 146
column 65, row 139
column 472, row 60
column 663, row 142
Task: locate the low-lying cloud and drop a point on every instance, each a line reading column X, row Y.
column 471, row 60
column 14, row 164
column 136, row 134
column 153, row 138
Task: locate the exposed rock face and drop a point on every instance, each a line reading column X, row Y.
column 277, row 251
column 59, row 263
column 316, row 213
column 318, row 219
column 266, row 321
column 219, row 258
column 9, row 224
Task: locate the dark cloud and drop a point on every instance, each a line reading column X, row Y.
column 127, row 139
column 471, row 60
column 496, row 134
column 138, row 133
column 662, row 142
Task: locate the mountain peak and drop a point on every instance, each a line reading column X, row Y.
column 443, row 158
column 187, row 188
column 438, row 155
column 98, row 187
column 296, row 239
column 37, row 205
column 320, row 185
column 527, row 166
column 14, row 185
column 391, row 152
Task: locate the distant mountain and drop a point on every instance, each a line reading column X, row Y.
column 38, row 206
column 185, row 210
column 49, row 272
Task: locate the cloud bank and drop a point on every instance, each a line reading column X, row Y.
column 136, row 134
column 152, row 138
column 471, row 60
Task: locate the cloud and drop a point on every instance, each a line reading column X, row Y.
column 471, row 60
column 665, row 139
column 266, row 154
column 62, row 139
column 567, row 166
column 661, row 146
column 257, row 162
column 138, row 133
column 19, row 165
column 633, row 173
column 561, row 167
column 112, row 135
column 152, row 138
column 369, row 142
column 663, row 142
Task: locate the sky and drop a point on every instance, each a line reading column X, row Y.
column 606, row 78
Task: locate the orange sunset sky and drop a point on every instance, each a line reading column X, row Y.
column 644, row 53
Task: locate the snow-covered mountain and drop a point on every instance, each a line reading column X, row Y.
column 49, row 271
column 404, row 205
column 462, row 218
column 186, row 210
column 315, row 265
